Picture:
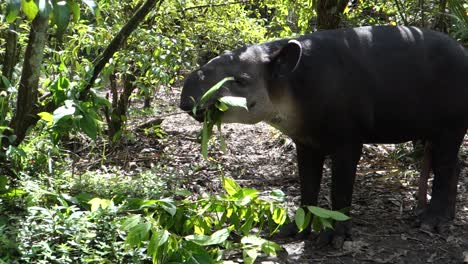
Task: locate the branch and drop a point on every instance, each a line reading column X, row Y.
column 400, row 12
column 116, row 43
column 215, row 5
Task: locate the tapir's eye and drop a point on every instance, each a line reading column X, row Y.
column 242, row 80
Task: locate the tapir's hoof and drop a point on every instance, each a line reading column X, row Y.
column 335, row 237
column 430, row 221
column 290, row 230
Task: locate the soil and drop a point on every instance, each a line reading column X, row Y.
column 384, row 200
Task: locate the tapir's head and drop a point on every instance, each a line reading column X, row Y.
column 257, row 70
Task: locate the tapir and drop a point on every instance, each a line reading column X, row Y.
column 333, row 91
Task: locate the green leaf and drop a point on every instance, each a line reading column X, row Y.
column 216, row 238
column 131, row 222
column 30, row 9
column 158, row 238
column 234, row 101
column 48, row 117
column 89, row 126
column 138, row 234
column 92, row 5
column 277, row 195
column 300, row 219
column 230, row 186
column 3, row 183
column 221, row 106
column 75, row 10
column 270, row 247
column 97, row 203
column 279, row 215
column 66, row 110
column 12, row 10
column 45, row 7
column 249, row 255
column 61, row 16
column 168, row 205
column 324, row 213
column 208, row 94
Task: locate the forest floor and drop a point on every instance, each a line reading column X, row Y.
column 260, row 157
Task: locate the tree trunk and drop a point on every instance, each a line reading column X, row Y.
column 11, row 54
column 440, row 21
column 329, row 13
column 27, row 105
column 117, row 41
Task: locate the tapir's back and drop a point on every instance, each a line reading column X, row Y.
column 391, row 83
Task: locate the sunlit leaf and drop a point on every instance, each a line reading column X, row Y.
column 208, row 94
column 61, row 16
column 230, row 186
column 12, row 10
column 97, row 203
column 234, row 101
column 130, row 222
column 48, row 117
column 299, row 219
column 30, row 9
column 138, row 234
column 216, row 238
column 45, row 6
column 324, row 213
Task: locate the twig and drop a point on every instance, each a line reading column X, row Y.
column 215, row 5
column 400, row 12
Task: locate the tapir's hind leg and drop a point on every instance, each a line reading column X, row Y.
column 445, row 166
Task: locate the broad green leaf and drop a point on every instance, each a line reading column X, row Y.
column 279, row 215
column 230, row 186
column 222, row 142
column 277, row 195
column 270, row 247
column 89, row 126
column 48, row 117
column 75, row 10
column 208, row 94
column 97, row 203
column 45, row 6
column 168, row 205
column 234, row 101
column 131, row 222
column 216, row 238
column 249, row 255
column 158, row 238
column 92, row 5
column 221, row 106
column 64, row 111
column 138, row 234
column 324, row 213
column 3, row 183
column 30, row 9
column 12, row 10
column 299, row 219
column 61, row 16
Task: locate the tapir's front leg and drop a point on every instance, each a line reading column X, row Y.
column 344, row 163
column 310, row 161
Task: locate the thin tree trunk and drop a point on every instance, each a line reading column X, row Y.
column 11, row 54
column 26, row 105
column 117, row 42
column 329, row 13
column 440, row 21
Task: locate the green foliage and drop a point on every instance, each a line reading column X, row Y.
column 322, row 218
column 202, row 229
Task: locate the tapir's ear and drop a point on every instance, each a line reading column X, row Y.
column 286, row 60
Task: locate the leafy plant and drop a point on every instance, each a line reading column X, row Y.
column 213, row 114
column 322, row 218
column 202, row 230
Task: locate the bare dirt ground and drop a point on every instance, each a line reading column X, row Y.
column 383, row 202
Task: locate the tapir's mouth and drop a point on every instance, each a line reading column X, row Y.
column 198, row 114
